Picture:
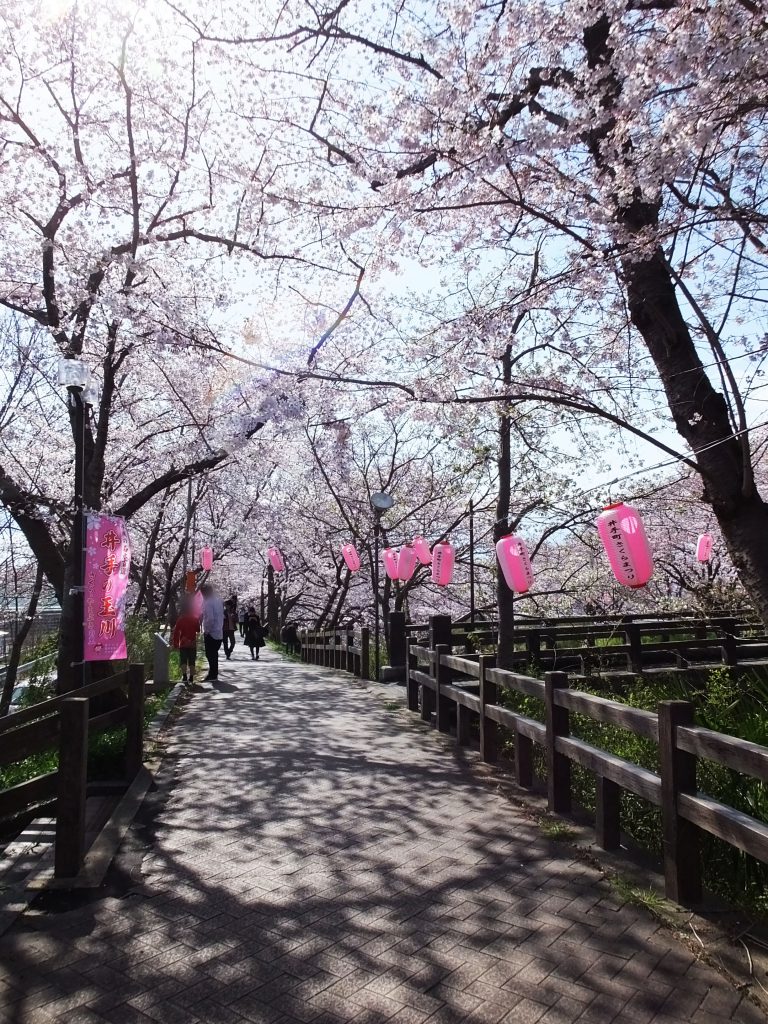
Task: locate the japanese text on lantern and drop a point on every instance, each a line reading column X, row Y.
column 107, row 565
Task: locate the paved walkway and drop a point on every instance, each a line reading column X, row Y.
column 308, row 858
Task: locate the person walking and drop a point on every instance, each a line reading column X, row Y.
column 254, row 633
column 213, row 629
column 242, row 618
column 230, row 626
column 185, row 640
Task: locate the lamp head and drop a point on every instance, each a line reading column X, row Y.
column 381, row 501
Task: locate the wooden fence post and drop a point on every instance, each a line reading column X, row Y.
column 365, row 653
column 635, row 641
column 442, row 678
column 608, row 814
column 349, row 658
column 489, row 730
column 411, row 686
column 730, row 651
column 70, row 802
column 428, row 695
column 134, row 740
column 533, row 645
column 397, row 640
column 439, row 630
column 680, row 838
column 558, row 765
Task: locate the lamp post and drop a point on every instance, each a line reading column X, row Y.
column 82, row 391
column 380, row 502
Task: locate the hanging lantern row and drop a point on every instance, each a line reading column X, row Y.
column 619, row 527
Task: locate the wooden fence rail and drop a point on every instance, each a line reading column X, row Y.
column 64, row 723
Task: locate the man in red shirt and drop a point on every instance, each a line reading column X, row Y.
column 185, row 641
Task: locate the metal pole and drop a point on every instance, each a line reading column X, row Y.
column 78, row 530
column 471, row 560
column 376, row 656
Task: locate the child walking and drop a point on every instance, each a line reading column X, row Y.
column 185, row 641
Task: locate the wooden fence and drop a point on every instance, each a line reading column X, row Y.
column 64, row 723
column 337, row 648
column 443, row 687
column 620, row 644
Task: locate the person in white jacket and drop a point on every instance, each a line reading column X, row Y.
column 212, row 628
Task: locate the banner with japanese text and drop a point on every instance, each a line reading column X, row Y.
column 107, row 564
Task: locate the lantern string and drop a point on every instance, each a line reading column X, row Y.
column 608, row 484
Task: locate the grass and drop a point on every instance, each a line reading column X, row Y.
column 637, row 895
column 558, row 830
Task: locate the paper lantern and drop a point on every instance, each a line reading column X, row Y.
column 515, row 563
column 406, row 562
column 206, row 559
column 276, row 559
column 443, row 557
column 350, row 556
column 623, row 535
column 704, row 547
column 390, row 562
column 190, row 581
column 421, row 547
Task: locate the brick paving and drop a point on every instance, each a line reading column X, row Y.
column 306, row 858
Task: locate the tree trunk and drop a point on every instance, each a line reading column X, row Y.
column 18, row 643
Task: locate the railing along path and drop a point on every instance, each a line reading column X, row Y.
column 64, row 724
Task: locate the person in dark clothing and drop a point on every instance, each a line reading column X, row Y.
column 290, row 637
column 254, row 633
column 230, row 626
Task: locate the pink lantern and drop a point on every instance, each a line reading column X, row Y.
column 443, row 557
column 390, row 562
column 276, row 559
column 626, row 545
column 350, row 556
column 421, row 547
column 704, row 547
column 206, row 559
column 406, row 562
column 515, row 563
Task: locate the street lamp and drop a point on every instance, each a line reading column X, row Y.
column 380, row 502
column 75, row 376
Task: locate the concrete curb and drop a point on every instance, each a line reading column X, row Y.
column 30, row 856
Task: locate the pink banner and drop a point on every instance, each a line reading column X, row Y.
column 107, row 563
